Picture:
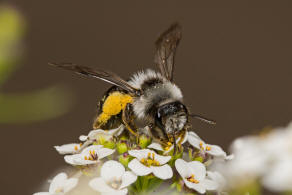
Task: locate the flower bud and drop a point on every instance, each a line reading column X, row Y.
column 124, row 159
column 109, row 144
column 144, row 141
column 122, row 147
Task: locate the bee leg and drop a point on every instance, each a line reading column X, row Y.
column 127, row 118
column 182, row 136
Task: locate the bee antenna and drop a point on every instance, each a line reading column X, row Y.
column 204, row 119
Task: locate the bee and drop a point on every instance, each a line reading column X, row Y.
column 149, row 96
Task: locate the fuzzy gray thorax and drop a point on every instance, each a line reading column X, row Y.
column 156, row 91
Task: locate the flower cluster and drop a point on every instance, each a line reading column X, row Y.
column 264, row 159
column 116, row 163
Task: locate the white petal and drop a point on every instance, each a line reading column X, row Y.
column 98, row 134
column 69, row 159
column 229, row 157
column 194, row 140
column 198, row 169
column 217, row 177
column 77, row 159
column 209, row 184
column 127, row 179
column 67, row 148
column 162, row 172
column 193, row 134
column 42, row 193
column 117, row 131
column 112, row 170
column 155, row 146
column 138, row 168
column 104, row 152
column 92, row 147
column 82, row 161
column 83, row 138
column 70, row 184
column 162, row 159
column 98, row 184
column 198, row 187
column 216, row 151
column 139, row 154
column 186, row 137
column 182, row 168
column 57, row 182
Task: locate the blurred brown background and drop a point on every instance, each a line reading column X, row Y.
column 233, row 65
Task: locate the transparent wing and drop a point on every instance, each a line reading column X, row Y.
column 100, row 74
column 166, row 46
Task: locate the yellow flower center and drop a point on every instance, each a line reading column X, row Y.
column 59, row 190
column 92, row 156
column 192, row 179
column 207, row 148
column 150, row 160
column 76, row 147
column 116, row 183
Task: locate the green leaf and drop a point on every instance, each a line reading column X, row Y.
column 11, row 33
column 34, row 106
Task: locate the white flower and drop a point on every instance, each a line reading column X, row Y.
column 106, row 135
column 60, row 185
column 157, row 146
column 68, row 148
column 147, row 161
column 194, row 176
column 90, row 155
column 279, row 177
column 114, row 179
column 218, row 178
column 198, row 143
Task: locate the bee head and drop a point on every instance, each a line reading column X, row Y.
column 171, row 117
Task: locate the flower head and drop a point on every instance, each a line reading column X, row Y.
column 68, row 148
column 90, row 155
column 60, row 185
column 147, row 161
column 166, row 150
column 198, row 143
column 102, row 135
column 194, row 176
column 113, row 179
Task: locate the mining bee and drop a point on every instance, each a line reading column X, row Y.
column 148, row 96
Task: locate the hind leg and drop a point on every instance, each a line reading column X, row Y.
column 128, row 120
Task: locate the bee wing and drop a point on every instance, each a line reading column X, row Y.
column 166, row 46
column 100, row 74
